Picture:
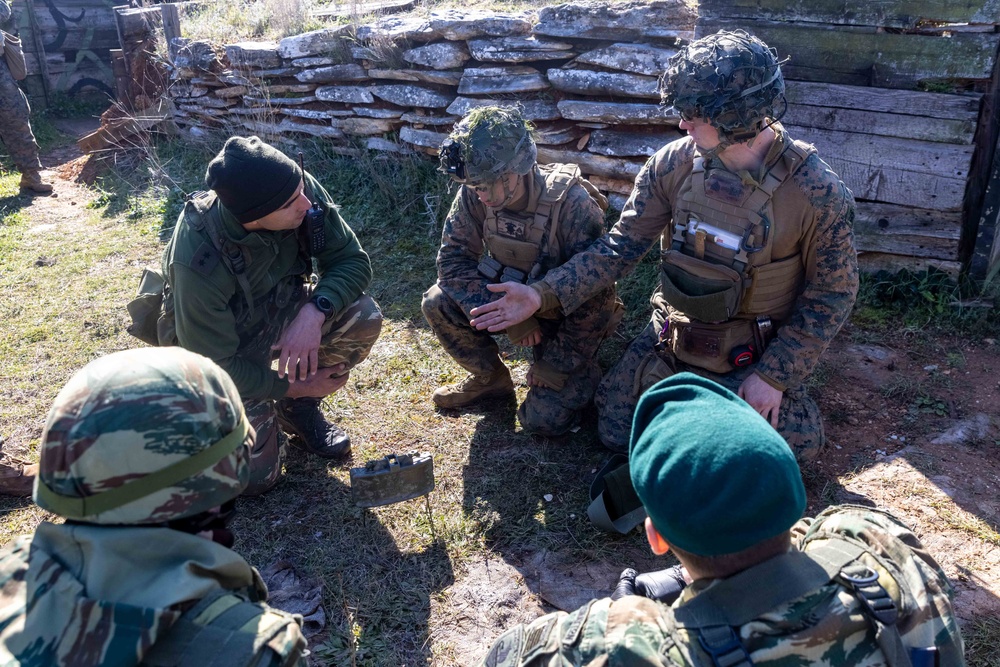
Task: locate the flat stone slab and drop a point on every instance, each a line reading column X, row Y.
column 557, row 136
column 424, row 138
column 591, row 82
column 460, row 25
column 518, row 49
column 622, row 143
column 378, row 112
column 386, row 146
column 197, row 55
column 493, row 80
column 635, row 58
column 314, row 114
column 443, row 55
column 425, row 119
column 234, row 91
column 253, row 54
column 363, row 126
column 626, row 21
column 398, row 29
column 619, row 168
column 287, row 125
column 411, row 96
column 278, row 101
column 617, row 113
column 345, row 94
column 450, row 78
column 531, row 109
column 347, row 72
column 313, row 43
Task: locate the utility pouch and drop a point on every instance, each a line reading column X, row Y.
column 709, row 346
column 706, row 291
column 392, row 479
column 14, row 55
column 145, row 308
column 774, row 287
column 512, row 275
column 490, row 269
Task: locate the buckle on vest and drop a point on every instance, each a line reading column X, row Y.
column 723, row 646
column 875, row 600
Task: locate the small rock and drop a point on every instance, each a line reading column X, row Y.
column 548, row 497
column 931, row 368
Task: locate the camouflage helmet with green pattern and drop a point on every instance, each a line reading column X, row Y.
column 488, row 143
column 143, row 437
column 732, row 79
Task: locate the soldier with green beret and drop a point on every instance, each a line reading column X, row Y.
column 723, row 491
column 144, row 453
column 238, row 270
column 514, row 219
column 755, row 234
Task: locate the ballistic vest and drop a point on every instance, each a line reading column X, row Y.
column 525, row 239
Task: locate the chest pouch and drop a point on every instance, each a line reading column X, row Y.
column 513, row 240
column 719, row 348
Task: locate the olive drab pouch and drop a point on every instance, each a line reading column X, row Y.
column 774, row 287
column 14, row 55
column 392, row 479
column 146, row 307
column 707, row 291
column 710, row 346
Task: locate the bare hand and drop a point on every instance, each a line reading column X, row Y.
column 299, row 344
column 518, row 304
column 762, row 397
column 535, row 381
column 321, row 384
column 531, row 340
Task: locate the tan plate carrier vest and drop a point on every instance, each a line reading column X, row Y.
column 716, row 272
column 531, row 236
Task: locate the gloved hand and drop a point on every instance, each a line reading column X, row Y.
column 663, row 585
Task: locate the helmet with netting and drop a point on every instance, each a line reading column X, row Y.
column 731, row 79
column 488, row 143
column 144, row 436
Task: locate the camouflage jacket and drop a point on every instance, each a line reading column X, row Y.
column 462, row 242
column 80, row 595
column 207, row 296
column 825, row 627
column 814, row 216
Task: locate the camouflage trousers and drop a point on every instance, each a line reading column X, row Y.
column 348, row 338
column 569, row 345
column 15, row 128
column 799, row 420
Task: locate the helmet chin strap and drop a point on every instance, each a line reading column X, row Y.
column 508, row 194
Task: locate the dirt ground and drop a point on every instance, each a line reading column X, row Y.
column 911, row 429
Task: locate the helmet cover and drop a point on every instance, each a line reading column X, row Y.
column 144, row 436
column 488, row 143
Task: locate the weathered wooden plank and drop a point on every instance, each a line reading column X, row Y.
column 947, row 131
column 903, row 230
column 860, row 56
column 589, row 163
column 870, row 262
column 985, row 261
column 77, row 40
column 885, row 13
column 890, row 100
column 897, row 171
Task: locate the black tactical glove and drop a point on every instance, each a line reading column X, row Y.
column 663, row 585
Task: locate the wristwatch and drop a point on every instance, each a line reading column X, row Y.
column 323, row 304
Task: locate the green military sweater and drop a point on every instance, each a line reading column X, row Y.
column 207, row 297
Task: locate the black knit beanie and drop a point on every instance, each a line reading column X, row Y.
column 252, row 178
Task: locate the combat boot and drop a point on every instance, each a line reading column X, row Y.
column 17, row 478
column 302, row 418
column 32, row 180
column 475, row 388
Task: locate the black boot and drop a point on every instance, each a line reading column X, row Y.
column 302, row 418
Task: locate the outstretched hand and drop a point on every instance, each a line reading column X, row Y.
column 518, row 304
column 298, row 346
column 762, row 397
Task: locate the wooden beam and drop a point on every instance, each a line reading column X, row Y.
column 983, row 175
column 864, row 56
column 886, row 13
column 171, row 26
column 907, row 231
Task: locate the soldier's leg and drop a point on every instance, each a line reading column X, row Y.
column 269, row 448
column 568, row 354
column 474, row 350
column 349, row 336
column 618, row 394
column 15, row 131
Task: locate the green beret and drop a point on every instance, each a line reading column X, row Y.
column 252, row 178
column 715, row 478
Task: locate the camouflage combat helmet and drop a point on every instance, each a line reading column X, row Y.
column 143, row 437
column 732, row 79
column 488, row 143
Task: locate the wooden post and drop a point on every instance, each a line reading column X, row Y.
column 36, row 39
column 171, row 26
column 122, row 88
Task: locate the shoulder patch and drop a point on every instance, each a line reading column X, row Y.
column 506, row 651
column 537, row 637
column 575, row 623
column 205, row 258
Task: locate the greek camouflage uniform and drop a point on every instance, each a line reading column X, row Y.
column 569, row 340
column 813, row 219
column 211, row 315
column 828, row 626
column 15, row 115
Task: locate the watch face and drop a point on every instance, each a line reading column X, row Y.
column 324, row 304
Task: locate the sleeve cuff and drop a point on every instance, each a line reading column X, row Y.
column 279, row 388
column 774, row 383
column 549, row 299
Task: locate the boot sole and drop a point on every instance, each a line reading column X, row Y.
column 506, row 395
